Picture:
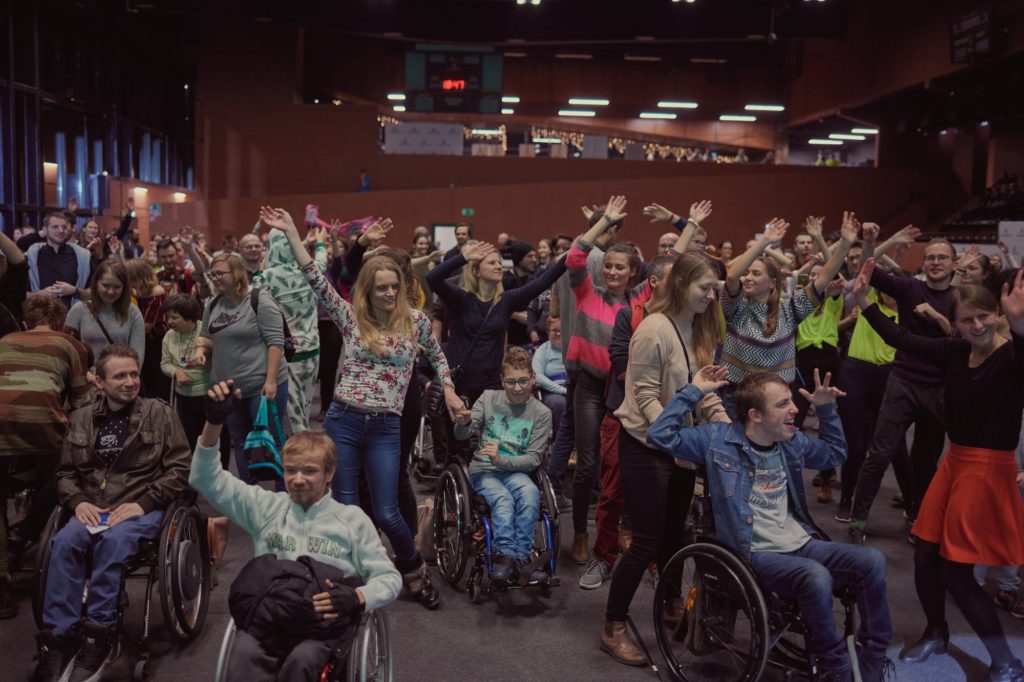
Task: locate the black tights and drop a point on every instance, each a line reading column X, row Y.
column 933, row 576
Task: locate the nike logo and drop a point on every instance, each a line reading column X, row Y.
column 223, row 321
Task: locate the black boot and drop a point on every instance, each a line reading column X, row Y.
column 97, row 644
column 933, row 641
column 417, row 583
column 54, row 654
column 1008, row 672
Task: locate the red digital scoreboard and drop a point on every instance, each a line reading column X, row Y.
column 450, row 79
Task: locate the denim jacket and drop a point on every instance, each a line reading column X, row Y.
column 725, row 452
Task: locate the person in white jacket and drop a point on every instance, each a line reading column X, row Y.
column 305, row 520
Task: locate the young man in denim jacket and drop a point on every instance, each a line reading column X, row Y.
column 754, row 474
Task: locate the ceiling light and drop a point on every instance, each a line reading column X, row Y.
column 845, row 136
column 865, row 131
column 485, row 131
column 179, row 197
column 515, row 54
column 668, row 104
column 535, row 2
column 818, row 140
column 520, row 2
column 690, row 2
column 509, row 99
column 547, row 140
column 576, row 112
column 641, row 58
column 399, row 108
column 588, row 102
column 739, row 118
column 658, row 114
column 645, row 39
column 396, row 96
column 764, row 107
column 140, row 190
column 186, row 86
column 573, row 55
column 508, row 112
column 316, row 101
column 984, row 124
column 707, row 60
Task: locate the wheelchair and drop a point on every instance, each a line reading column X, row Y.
column 462, row 529
column 714, row 621
column 177, row 560
column 368, row 660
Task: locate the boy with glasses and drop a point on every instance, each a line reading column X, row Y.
column 513, row 430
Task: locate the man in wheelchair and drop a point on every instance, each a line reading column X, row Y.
column 304, row 521
column 754, row 474
column 513, row 429
column 124, row 460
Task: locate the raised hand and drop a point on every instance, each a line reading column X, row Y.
column 823, row 393
column 835, row 287
column 614, row 209
column 1003, row 247
column 869, row 232
column 474, row 253
column 711, row 378
column 116, row 245
column 813, row 225
column 905, row 236
column 700, row 210
column 862, row 283
column 851, row 227
column 775, row 230
column 657, row 212
column 588, row 211
column 277, row 219
column 1013, row 303
column 972, row 254
column 378, row 229
column 221, row 400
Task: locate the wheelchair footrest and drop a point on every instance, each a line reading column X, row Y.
column 542, row 559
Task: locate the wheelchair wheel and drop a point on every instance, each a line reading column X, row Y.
column 184, row 571
column 453, row 526
column 549, row 504
column 224, row 656
column 710, row 616
column 370, row 658
column 474, row 586
column 57, row 519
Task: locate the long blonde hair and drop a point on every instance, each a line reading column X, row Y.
column 707, row 326
column 370, row 328
column 471, row 283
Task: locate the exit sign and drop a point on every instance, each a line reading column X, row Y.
column 467, row 211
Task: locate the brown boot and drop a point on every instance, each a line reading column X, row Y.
column 580, row 551
column 217, row 529
column 625, row 539
column 615, row 641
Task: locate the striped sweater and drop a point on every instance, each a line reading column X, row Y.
column 595, row 315
column 746, row 349
column 38, row 370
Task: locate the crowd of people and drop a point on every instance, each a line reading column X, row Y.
column 129, row 371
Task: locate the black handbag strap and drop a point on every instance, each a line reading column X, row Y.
column 102, row 328
column 686, row 354
column 472, row 343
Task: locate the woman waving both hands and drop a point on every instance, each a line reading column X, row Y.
column 381, row 333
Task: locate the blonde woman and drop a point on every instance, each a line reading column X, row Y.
column 381, row 333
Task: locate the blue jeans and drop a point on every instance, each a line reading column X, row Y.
column 239, row 424
column 555, row 402
column 65, row 581
column 565, row 439
column 515, row 507
column 371, row 442
column 808, row 575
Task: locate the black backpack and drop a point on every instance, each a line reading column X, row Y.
column 254, row 302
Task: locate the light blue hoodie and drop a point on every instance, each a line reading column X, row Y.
column 337, row 534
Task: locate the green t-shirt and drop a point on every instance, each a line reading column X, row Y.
column 821, row 326
column 775, row 529
column 866, row 344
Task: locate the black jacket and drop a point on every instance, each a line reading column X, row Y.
column 272, row 600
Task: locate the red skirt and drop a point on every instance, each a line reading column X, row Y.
column 973, row 509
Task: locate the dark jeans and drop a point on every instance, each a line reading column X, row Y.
column 370, row 443
column 565, row 438
column 824, row 359
column 904, row 403
column 330, row 353
column 251, row 663
column 864, row 384
column 658, row 494
column 808, row 576
column 589, row 409
column 191, row 412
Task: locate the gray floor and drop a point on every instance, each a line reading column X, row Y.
column 521, row 635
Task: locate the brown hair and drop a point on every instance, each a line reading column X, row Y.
column 750, row 393
column 633, row 258
column 141, row 278
column 975, row 296
column 115, row 350
column 304, row 441
column 185, row 305
column 707, row 330
column 517, row 358
column 771, row 320
column 124, row 302
column 38, row 309
column 237, row 269
column 56, row 214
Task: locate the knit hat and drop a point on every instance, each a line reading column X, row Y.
column 519, row 250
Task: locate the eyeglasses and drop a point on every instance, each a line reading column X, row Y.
column 522, row 382
column 217, row 274
column 937, row 257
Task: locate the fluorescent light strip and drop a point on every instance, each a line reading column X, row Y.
column 485, row 131
column 399, row 108
column 707, row 60
column 509, row 99
column 396, row 96
column 658, row 114
column 667, row 104
column 738, row 118
column 844, row 136
column 576, row 112
column 508, row 112
column 547, row 140
column 641, row 58
column 588, row 102
column 515, row 54
column 816, row 140
column 573, row 55
column 764, row 107
column 865, row 131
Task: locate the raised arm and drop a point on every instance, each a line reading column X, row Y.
column 813, row 226
column 848, row 235
column 10, row 250
column 1013, row 303
column 774, row 231
column 613, row 213
column 699, row 211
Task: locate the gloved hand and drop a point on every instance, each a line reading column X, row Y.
column 221, row 401
column 344, row 599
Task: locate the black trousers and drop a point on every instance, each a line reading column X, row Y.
column 658, row 495
column 824, row 359
column 903, row 404
column 330, row 353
